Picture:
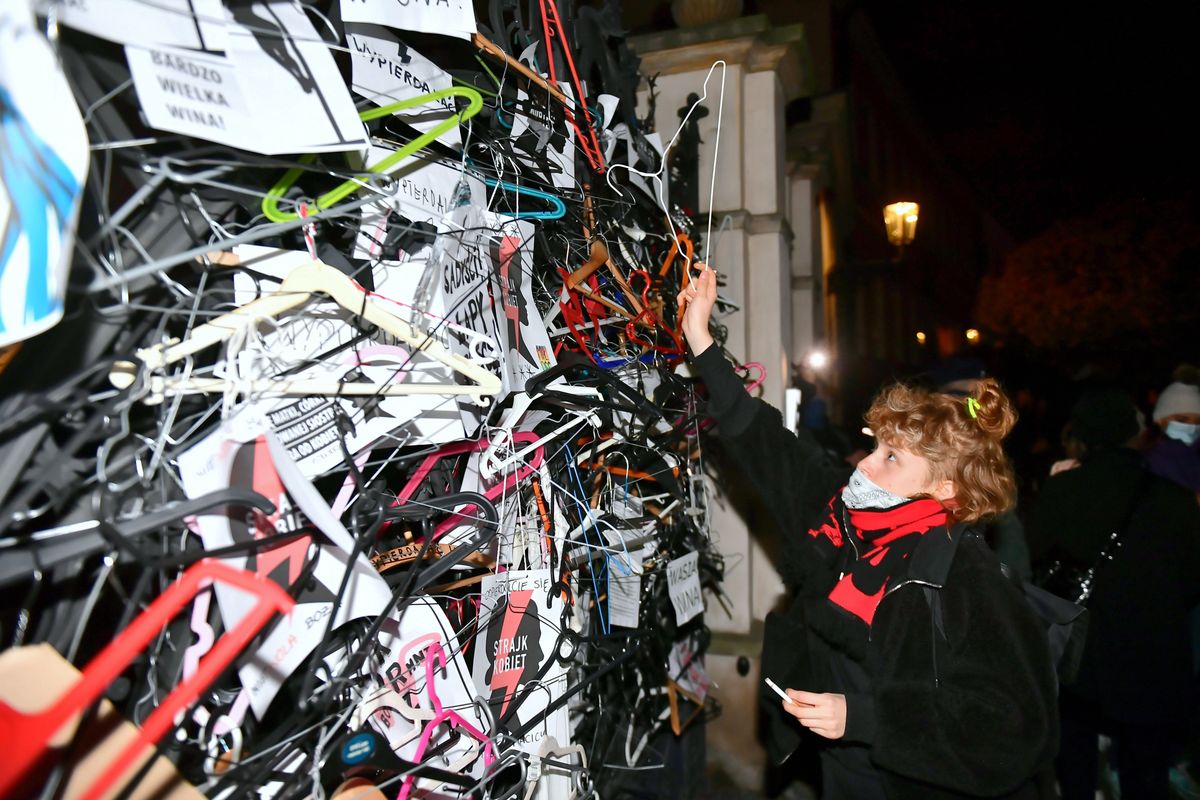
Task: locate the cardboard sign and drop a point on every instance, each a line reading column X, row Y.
column 32, row 679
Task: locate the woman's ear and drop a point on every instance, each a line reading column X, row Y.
column 943, row 491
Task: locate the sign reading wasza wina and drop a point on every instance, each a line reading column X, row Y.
column 448, row 17
column 683, row 582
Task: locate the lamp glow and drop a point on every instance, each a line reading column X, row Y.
column 900, row 220
column 817, row 359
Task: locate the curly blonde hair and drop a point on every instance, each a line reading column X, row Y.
column 960, row 437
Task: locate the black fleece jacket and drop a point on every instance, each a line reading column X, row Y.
column 972, row 714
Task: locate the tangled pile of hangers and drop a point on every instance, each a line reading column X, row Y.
column 345, row 449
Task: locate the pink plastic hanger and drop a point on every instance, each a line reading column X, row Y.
column 458, row 448
column 435, row 653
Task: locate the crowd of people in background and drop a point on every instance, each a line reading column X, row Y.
column 1104, row 474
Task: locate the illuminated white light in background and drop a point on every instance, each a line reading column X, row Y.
column 920, row 337
column 817, row 359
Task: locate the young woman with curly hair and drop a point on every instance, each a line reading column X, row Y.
column 909, row 658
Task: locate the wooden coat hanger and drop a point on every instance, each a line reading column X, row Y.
column 299, row 287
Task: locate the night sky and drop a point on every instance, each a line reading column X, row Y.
column 1051, row 109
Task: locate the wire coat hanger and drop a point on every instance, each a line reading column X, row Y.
column 297, row 289
column 270, row 203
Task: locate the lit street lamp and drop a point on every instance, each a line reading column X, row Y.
column 900, row 220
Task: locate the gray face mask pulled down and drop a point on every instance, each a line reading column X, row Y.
column 862, row 492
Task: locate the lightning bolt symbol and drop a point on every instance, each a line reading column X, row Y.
column 509, row 678
column 267, row 483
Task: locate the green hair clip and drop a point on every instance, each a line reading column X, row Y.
column 973, row 407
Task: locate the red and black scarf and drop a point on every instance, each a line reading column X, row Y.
column 883, row 538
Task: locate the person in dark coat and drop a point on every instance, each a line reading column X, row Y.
column 909, row 659
column 1135, row 677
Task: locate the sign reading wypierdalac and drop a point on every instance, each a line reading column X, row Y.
column 448, row 17
column 385, row 70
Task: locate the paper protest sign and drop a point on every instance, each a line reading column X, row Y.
column 685, row 665
column 405, row 222
column 448, row 17
column 301, row 103
column 261, row 464
column 526, row 342
column 401, row 699
column 683, row 583
column 385, row 70
column 43, row 165
column 517, row 639
column 277, row 90
column 546, row 132
column 194, row 24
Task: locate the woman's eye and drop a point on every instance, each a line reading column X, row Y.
column 891, row 456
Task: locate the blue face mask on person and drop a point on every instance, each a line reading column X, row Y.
column 1182, row 431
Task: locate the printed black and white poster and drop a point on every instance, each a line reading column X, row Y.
column 447, row 17
column 194, row 24
column 300, row 98
column 385, row 70
column 526, row 341
column 261, row 464
column 538, row 129
column 277, row 90
column 517, row 641
column 683, row 582
column 470, row 288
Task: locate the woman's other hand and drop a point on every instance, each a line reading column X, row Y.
column 697, row 301
column 822, row 713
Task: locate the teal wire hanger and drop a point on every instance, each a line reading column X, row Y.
column 557, row 210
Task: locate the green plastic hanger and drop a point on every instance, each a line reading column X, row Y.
column 270, row 203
